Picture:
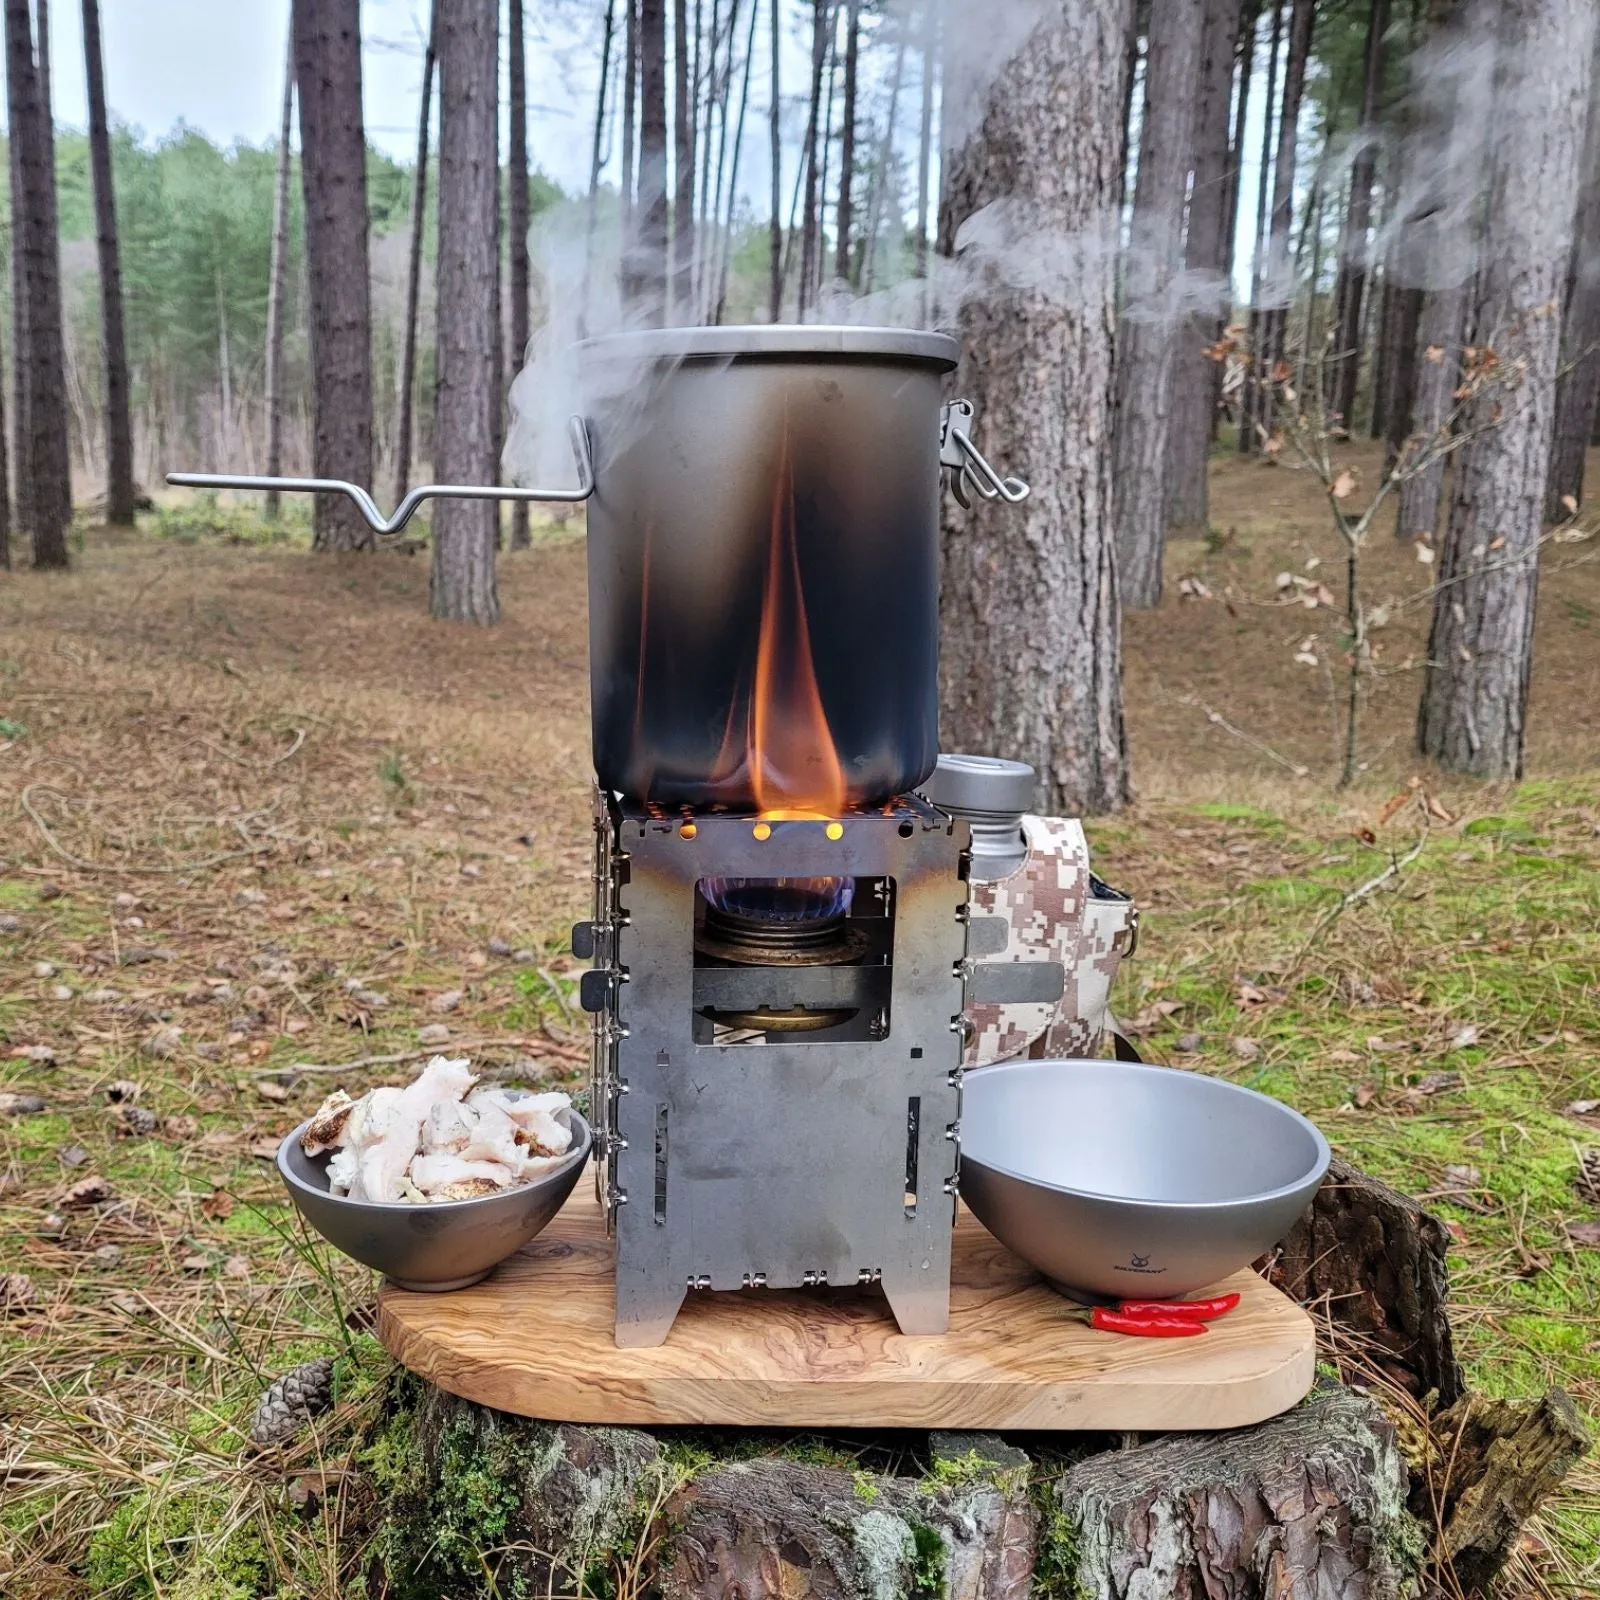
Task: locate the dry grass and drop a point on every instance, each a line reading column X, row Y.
column 388, row 796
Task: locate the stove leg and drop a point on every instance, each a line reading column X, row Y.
column 919, row 1307
column 645, row 1315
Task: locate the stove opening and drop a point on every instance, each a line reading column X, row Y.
column 792, row 960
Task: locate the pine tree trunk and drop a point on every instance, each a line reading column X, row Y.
column 1400, row 370
column 1030, row 625
column 930, row 59
column 1473, row 716
column 867, row 250
column 1579, row 389
column 775, row 156
column 847, row 141
column 1250, row 396
column 1250, row 15
column 1194, row 383
column 725, row 246
column 119, row 420
column 405, row 429
column 333, row 168
column 596, row 151
column 821, row 18
column 630, row 134
column 1440, row 332
column 277, row 287
column 1149, row 338
column 5, row 489
column 650, row 231
column 56, row 470
column 20, row 369
column 825, row 141
column 683, row 240
column 517, row 223
column 467, row 36
column 1350, row 288
column 40, row 357
column 1278, row 283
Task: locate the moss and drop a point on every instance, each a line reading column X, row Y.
column 179, row 1547
column 865, row 1486
column 1058, row 1552
column 930, row 1564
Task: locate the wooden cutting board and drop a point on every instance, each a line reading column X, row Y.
column 535, row 1337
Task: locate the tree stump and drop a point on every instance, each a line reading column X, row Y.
column 1374, row 1261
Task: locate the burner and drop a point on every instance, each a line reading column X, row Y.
column 732, row 938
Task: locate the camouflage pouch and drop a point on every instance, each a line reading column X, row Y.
column 1055, row 909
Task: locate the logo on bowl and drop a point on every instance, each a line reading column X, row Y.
column 1141, row 1264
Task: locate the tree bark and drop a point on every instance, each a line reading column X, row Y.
column 1149, row 341
column 1278, row 282
column 40, row 356
column 1440, row 332
column 650, row 230
column 119, row 421
column 467, row 32
column 930, row 59
column 596, row 150
column 1374, row 1262
column 1030, row 625
column 821, row 20
column 1251, row 12
column 1194, row 383
column 277, row 288
column 1311, row 1504
column 683, row 240
column 1473, row 716
column 1400, row 369
column 21, row 380
column 1250, row 395
column 775, row 156
column 517, row 224
column 1578, row 392
column 333, row 167
column 725, row 245
column 847, row 142
column 630, row 129
column 1350, row 286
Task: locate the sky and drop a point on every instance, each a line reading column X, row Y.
column 217, row 65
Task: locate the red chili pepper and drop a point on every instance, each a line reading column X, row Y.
column 1144, row 1327
column 1192, row 1310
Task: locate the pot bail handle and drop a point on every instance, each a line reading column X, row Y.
column 964, row 463
column 380, row 524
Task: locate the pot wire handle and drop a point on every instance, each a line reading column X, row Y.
column 966, row 463
column 407, row 509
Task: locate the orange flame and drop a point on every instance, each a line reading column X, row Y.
column 794, row 766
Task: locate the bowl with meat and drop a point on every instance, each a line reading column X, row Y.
column 435, row 1183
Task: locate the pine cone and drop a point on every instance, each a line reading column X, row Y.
column 298, row 1394
column 137, row 1121
column 1587, row 1182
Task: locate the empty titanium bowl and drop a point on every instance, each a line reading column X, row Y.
column 445, row 1245
column 1123, row 1181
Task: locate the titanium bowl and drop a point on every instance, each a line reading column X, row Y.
column 1124, row 1181
column 431, row 1247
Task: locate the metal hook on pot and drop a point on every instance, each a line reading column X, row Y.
column 965, row 462
column 382, row 525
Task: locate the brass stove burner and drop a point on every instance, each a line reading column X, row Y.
column 731, row 938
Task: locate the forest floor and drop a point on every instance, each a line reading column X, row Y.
column 264, row 824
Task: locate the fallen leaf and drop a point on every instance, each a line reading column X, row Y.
column 1583, row 1108
column 218, row 1205
column 1245, row 1049
column 42, row 1053
column 16, row 1291
column 1464, row 1177
column 1365, row 1095
column 1343, row 1056
column 21, row 1105
column 1249, row 995
column 1436, row 809
column 1586, row 1234
column 1344, row 485
column 180, row 1127
column 1188, row 1043
column 264, row 1149
column 1462, row 1038
column 72, row 1155
column 122, row 1091
column 236, row 1266
column 1438, row 1082
column 91, row 1191
column 296, row 1025
column 446, row 1002
column 1392, row 805
column 270, row 1090
column 433, row 1033
column 1457, row 1231
column 195, row 1263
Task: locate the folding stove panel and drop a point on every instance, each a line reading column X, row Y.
column 819, row 1157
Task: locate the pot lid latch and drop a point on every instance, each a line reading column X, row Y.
column 964, row 465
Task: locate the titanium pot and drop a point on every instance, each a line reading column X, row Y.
column 763, row 529
column 764, row 563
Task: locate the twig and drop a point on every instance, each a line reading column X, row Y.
column 1217, row 718
column 1396, row 866
column 458, row 1045
column 258, row 766
column 58, row 849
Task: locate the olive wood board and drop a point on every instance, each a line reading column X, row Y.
column 536, row 1337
